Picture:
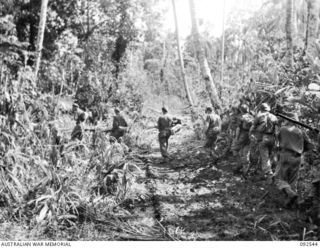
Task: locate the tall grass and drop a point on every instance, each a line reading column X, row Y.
column 44, row 188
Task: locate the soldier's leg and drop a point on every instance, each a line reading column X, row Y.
column 316, row 202
column 167, row 144
column 245, row 158
column 265, row 159
column 287, row 176
column 235, row 146
column 237, row 149
column 214, row 140
column 209, row 141
column 162, row 143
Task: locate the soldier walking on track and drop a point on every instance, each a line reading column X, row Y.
column 164, row 127
column 292, row 143
column 242, row 144
column 213, row 127
column 263, row 130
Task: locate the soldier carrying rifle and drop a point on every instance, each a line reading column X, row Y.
column 165, row 123
column 293, row 142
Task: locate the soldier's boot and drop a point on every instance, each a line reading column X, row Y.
column 292, row 197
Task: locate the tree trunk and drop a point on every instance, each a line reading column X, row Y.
column 295, row 22
column 42, row 25
column 312, row 27
column 183, row 73
column 222, row 46
column 204, row 67
column 289, row 32
column 162, row 75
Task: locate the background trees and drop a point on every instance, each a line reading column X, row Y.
column 122, row 49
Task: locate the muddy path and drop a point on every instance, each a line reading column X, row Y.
column 193, row 197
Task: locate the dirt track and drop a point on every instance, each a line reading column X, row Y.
column 195, row 198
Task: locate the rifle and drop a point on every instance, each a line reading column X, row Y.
column 175, row 121
column 297, row 122
column 95, row 129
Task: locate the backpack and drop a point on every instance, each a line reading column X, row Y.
column 270, row 125
column 247, row 121
column 266, row 125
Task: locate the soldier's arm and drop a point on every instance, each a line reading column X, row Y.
column 124, row 121
column 207, row 122
column 276, row 127
column 115, row 123
column 170, row 122
column 253, row 127
column 238, row 128
column 219, row 122
column 308, row 145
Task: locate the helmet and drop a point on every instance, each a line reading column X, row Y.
column 164, row 110
column 208, row 109
column 244, row 108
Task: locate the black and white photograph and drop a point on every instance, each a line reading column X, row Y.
column 159, row 120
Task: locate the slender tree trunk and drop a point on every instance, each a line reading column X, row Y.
column 42, row 25
column 204, row 67
column 88, row 18
column 222, row 45
column 312, row 27
column 289, row 32
column 162, row 70
column 295, row 22
column 183, row 73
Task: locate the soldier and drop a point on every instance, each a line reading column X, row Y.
column 293, row 142
column 164, row 127
column 119, row 125
column 314, row 211
column 263, row 131
column 233, row 124
column 242, row 144
column 213, row 127
column 77, row 132
column 76, row 111
column 57, row 145
column 315, row 193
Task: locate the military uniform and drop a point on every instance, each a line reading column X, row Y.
column 242, row 144
column 264, row 127
column 77, row 112
column 214, row 128
column 164, row 127
column 119, row 126
column 292, row 143
column 315, row 192
column 77, row 132
column 233, row 124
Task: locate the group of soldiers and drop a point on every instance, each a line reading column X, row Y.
column 280, row 145
column 119, row 124
column 263, row 131
column 271, row 136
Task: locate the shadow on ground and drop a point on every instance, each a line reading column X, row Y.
column 198, row 198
